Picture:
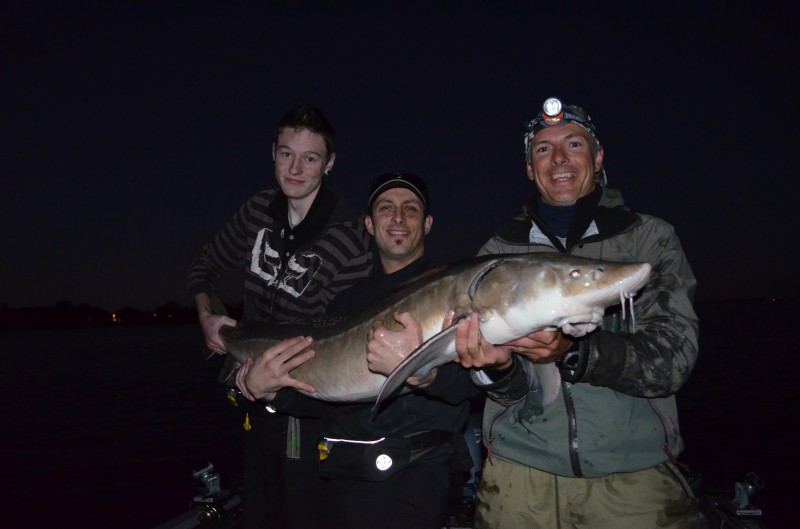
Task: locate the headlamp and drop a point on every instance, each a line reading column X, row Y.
column 551, row 112
column 555, row 114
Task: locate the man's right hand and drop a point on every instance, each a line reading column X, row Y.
column 476, row 353
column 386, row 349
column 211, row 324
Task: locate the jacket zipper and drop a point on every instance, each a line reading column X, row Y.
column 490, row 438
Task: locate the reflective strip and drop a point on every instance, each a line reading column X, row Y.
column 354, row 441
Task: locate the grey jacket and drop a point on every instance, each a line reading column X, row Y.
column 618, row 413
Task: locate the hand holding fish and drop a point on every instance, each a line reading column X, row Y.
column 474, row 352
column 386, row 349
column 543, row 346
column 211, row 323
column 263, row 377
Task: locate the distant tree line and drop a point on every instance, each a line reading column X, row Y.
column 66, row 314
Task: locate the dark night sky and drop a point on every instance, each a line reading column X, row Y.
column 131, row 131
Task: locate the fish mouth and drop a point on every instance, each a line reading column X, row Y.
column 579, row 325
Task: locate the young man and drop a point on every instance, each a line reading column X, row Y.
column 602, row 454
column 299, row 246
column 419, row 428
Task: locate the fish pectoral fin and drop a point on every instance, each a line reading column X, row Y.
column 438, row 350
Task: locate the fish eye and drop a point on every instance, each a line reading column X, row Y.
column 575, row 273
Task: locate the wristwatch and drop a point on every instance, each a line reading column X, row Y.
column 573, row 364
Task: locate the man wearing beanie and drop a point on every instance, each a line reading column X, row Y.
column 420, row 431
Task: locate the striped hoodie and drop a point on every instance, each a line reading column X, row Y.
column 290, row 273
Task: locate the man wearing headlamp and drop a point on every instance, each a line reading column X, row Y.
column 602, row 454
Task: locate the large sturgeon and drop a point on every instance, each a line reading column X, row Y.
column 513, row 295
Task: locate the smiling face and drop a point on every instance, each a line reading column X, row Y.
column 300, row 160
column 399, row 225
column 563, row 164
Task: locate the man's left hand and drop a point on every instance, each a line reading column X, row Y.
column 269, row 372
column 542, row 346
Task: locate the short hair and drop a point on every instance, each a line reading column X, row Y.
column 306, row 117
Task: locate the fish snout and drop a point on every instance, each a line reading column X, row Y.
column 636, row 280
column 628, row 277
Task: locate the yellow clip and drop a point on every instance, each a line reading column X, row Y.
column 324, row 450
column 246, row 424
